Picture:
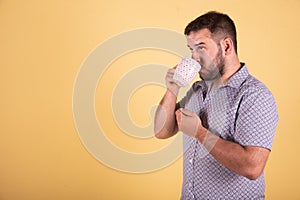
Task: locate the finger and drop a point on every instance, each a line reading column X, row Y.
column 178, row 112
column 186, row 112
column 169, row 75
column 171, row 72
column 170, row 80
column 178, row 116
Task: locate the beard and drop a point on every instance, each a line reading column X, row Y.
column 215, row 69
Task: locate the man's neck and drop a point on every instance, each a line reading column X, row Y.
column 229, row 71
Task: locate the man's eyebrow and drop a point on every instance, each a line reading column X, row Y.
column 200, row 43
column 197, row 44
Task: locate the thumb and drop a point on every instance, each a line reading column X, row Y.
column 186, row 112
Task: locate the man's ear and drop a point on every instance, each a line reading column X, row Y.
column 227, row 46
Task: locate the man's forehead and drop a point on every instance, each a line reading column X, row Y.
column 199, row 36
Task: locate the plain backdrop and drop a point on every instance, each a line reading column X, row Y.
column 42, row 46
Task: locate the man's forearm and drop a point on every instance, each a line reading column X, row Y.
column 247, row 161
column 165, row 124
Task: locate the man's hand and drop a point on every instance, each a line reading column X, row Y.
column 188, row 122
column 170, row 83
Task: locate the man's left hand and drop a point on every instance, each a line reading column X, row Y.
column 188, row 122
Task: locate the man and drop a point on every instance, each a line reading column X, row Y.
column 228, row 118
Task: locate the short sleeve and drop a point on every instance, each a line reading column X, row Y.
column 257, row 119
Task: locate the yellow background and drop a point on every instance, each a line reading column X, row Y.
column 42, row 46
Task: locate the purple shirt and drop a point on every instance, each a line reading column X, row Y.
column 242, row 111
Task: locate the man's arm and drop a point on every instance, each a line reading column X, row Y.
column 248, row 161
column 165, row 124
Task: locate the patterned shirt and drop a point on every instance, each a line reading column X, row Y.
column 242, row 111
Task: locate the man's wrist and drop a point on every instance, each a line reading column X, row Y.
column 173, row 91
column 208, row 139
column 201, row 134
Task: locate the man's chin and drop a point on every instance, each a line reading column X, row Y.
column 203, row 74
column 209, row 77
column 202, row 77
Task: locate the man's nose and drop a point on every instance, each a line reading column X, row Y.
column 196, row 56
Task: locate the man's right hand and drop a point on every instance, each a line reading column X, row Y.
column 170, row 83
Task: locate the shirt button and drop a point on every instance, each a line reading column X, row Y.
column 191, row 161
column 190, row 185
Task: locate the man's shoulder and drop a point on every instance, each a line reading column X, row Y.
column 254, row 87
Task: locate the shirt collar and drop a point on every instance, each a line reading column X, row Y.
column 235, row 81
column 239, row 77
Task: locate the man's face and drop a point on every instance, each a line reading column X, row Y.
column 208, row 53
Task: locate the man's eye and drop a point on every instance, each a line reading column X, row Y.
column 197, row 49
column 200, row 48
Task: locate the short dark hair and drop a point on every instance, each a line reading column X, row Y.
column 217, row 23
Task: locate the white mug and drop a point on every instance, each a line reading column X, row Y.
column 186, row 71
